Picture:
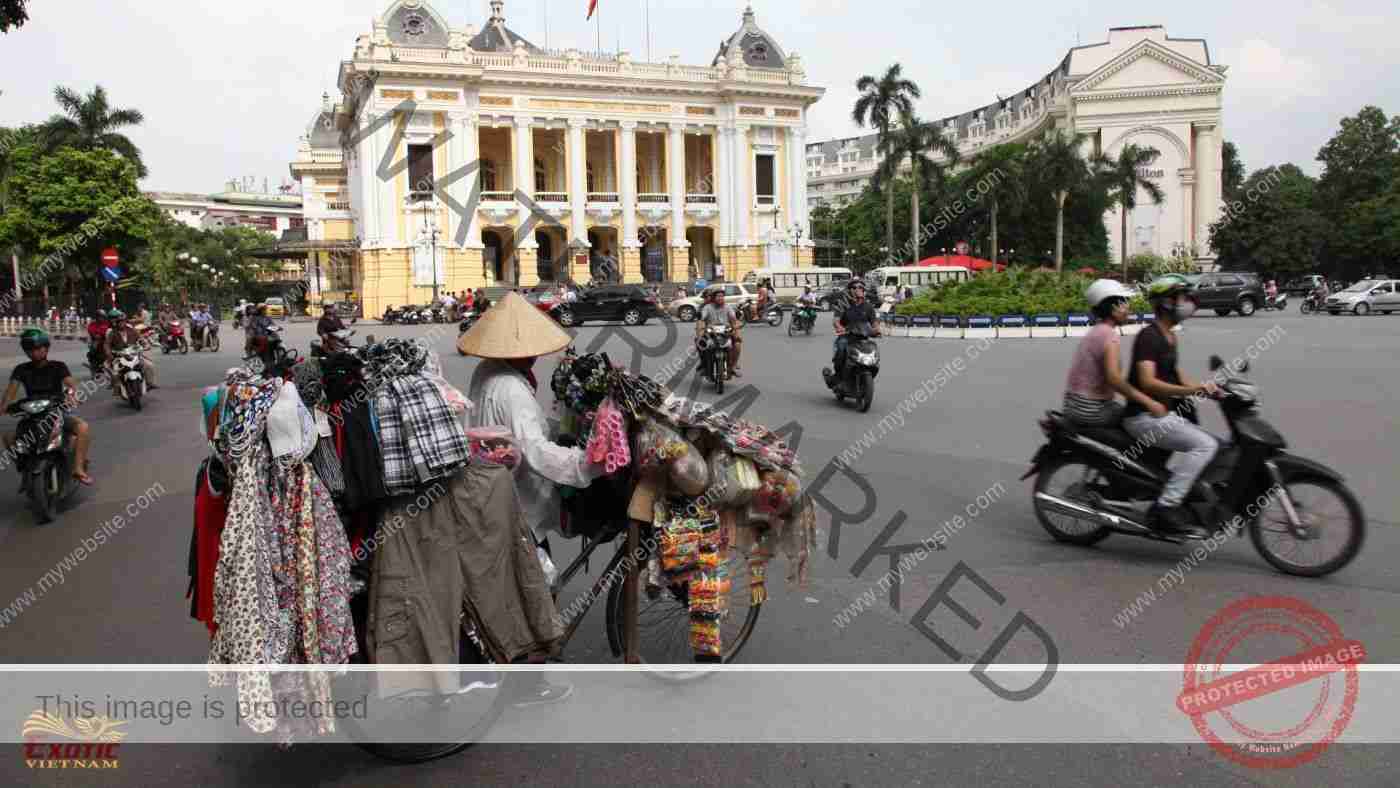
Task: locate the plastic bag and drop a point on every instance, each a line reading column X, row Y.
column 551, row 572
column 688, row 472
column 657, row 445
column 777, row 492
column 493, row 445
column 607, row 446
column 733, row 480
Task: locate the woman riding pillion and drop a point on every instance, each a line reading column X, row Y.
column 1094, row 374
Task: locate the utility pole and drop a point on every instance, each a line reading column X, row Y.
column 431, row 234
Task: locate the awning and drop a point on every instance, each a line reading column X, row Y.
column 961, row 261
column 285, row 250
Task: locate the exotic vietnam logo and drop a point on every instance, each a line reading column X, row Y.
column 91, row 742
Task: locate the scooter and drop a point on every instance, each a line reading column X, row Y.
column 209, row 341
column 342, row 339
column 714, row 355
column 45, row 455
column 803, row 319
column 1094, row 482
column 174, row 338
column 857, row 379
column 1279, row 302
column 131, row 379
column 771, row 314
column 273, row 360
column 1310, row 305
column 468, row 320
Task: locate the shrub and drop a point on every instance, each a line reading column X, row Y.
column 1011, row 292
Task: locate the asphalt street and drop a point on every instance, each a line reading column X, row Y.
column 1329, row 385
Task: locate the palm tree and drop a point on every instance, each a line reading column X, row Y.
column 1062, row 171
column 89, row 122
column 919, row 142
column 881, row 102
column 1123, row 181
column 998, row 175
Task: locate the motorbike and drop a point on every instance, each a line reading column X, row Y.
column 857, row 379
column 131, row 379
column 342, row 339
column 1311, row 304
column 273, row 358
column 803, row 319
column 1094, row 482
column 714, row 354
column 209, row 340
column 1279, row 302
column 391, row 315
column 95, row 356
column 44, row 455
column 771, row 314
column 468, row 320
column 173, row 338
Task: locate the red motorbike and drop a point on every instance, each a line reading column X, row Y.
column 173, row 338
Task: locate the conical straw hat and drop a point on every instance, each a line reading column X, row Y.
column 513, row 328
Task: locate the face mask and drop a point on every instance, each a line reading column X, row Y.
column 1183, row 310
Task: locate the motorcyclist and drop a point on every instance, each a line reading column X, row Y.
column 258, row 326
column 1320, row 293
column 764, row 297
column 199, row 323
column 143, row 316
column 123, row 335
column 1154, row 372
column 326, row 327
column 717, row 313
column 855, row 312
column 43, row 378
column 807, row 304
column 1094, row 375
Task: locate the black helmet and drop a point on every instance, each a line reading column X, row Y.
column 854, row 283
column 33, row 338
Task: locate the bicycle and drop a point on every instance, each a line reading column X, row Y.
column 662, row 636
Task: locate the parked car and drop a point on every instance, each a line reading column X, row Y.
column 630, row 304
column 1229, row 292
column 688, row 309
column 276, row 306
column 1303, row 285
column 1366, row 296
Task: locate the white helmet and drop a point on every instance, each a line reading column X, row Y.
column 1103, row 289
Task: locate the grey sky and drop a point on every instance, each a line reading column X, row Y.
column 228, row 87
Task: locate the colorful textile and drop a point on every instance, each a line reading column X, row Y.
column 433, row 435
column 396, row 462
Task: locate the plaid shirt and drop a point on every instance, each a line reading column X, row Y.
column 420, row 436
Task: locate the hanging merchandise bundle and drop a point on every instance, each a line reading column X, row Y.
column 344, row 472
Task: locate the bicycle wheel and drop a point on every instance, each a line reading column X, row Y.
column 663, row 621
column 448, row 722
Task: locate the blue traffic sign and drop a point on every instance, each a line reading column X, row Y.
column 111, row 274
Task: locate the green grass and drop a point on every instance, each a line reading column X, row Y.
column 1013, row 292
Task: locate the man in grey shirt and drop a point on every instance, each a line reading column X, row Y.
column 717, row 313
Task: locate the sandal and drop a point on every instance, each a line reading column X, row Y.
column 83, row 478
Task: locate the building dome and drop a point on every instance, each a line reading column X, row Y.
column 414, row 23
column 757, row 48
column 495, row 36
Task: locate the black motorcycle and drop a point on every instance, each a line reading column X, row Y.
column 771, row 314
column 342, row 340
column 803, row 319
column 857, row 377
column 273, row 359
column 44, row 455
column 391, row 316
column 1093, row 482
column 468, row 320
column 209, row 340
column 714, row 355
column 1311, row 304
column 95, row 358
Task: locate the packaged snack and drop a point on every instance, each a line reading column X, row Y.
column 493, row 445
column 777, row 492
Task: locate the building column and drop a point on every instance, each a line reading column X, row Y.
column 1188, row 206
column 523, row 152
column 578, row 182
column 369, row 184
column 1208, row 183
column 797, row 183
column 743, row 164
column 628, row 186
column 724, row 191
column 463, row 156
column 676, row 159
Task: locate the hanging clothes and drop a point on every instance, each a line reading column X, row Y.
column 471, row 547
column 431, row 430
column 360, row 459
column 210, row 514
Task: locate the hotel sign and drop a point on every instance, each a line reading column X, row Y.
column 1150, row 174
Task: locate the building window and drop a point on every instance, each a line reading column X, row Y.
column 488, row 176
column 540, row 183
column 420, row 172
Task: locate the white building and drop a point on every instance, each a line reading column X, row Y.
column 1141, row 86
column 271, row 213
column 463, row 158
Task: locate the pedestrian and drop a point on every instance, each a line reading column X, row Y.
column 509, row 339
column 719, row 271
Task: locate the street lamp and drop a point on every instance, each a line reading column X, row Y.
column 431, row 234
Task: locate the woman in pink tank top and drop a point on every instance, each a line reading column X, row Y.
column 1094, row 374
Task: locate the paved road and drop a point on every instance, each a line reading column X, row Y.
column 1328, row 384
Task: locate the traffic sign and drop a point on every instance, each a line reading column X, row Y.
column 111, row 274
column 110, row 258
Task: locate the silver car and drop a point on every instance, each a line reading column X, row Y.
column 1365, row 297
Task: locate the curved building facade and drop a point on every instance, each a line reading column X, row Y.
column 1141, row 86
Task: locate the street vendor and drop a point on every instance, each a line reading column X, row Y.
column 510, row 337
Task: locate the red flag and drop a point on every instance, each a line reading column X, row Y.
column 592, row 4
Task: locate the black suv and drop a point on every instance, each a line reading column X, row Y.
column 1227, row 292
column 629, row 303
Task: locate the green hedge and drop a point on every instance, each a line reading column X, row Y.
column 1013, row 292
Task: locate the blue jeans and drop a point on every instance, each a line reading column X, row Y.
column 838, row 349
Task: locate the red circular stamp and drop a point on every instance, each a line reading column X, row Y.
column 1294, row 702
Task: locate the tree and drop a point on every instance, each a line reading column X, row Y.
column 1122, row 178
column 881, row 102
column 63, row 208
column 1277, row 231
column 1061, row 170
column 1360, row 165
column 916, row 141
column 1232, row 171
column 90, row 123
column 12, row 14
column 998, row 176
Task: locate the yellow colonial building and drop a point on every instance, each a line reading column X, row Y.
column 458, row 159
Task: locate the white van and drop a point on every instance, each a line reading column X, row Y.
column 886, row 281
column 788, row 283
